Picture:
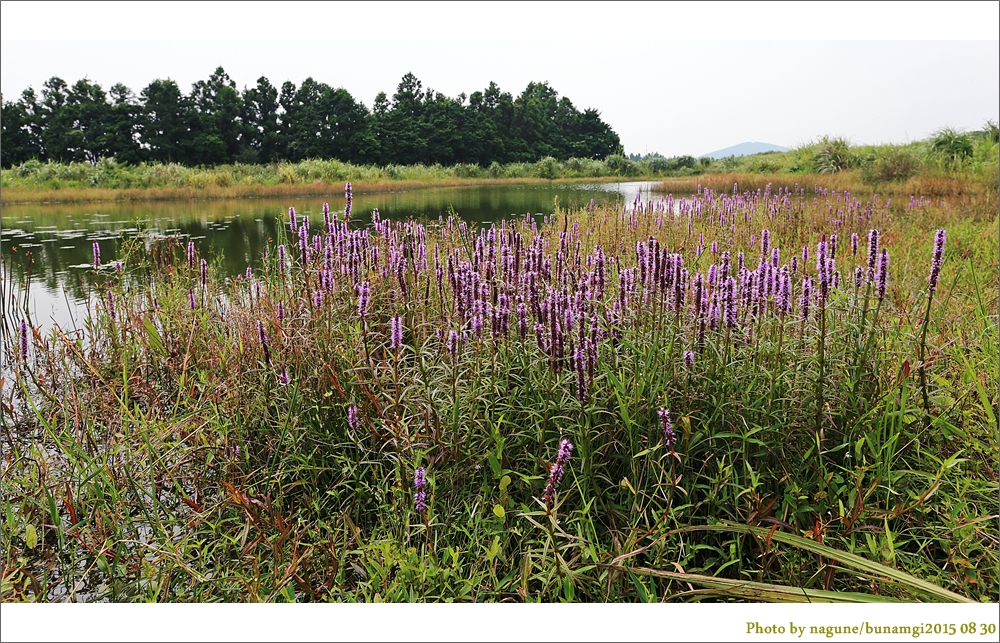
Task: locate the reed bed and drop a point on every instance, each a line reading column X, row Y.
column 756, row 395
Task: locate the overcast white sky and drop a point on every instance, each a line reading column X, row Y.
column 677, row 78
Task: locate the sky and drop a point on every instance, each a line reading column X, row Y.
column 672, row 78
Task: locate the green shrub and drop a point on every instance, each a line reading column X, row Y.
column 889, row 164
column 832, row 155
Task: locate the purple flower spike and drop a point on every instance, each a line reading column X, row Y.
column 883, row 273
column 668, row 429
column 363, row 300
column 729, row 303
column 291, row 219
column 872, row 252
column 263, row 342
column 936, row 259
column 689, row 359
column 453, row 344
column 281, row 310
column 204, row 272
column 807, row 287
column 191, row 299
column 419, row 487
column 396, row 332
column 350, row 200
column 190, row 254
column 97, row 255
column 281, row 258
column 24, row 339
column 352, row 417
column 557, row 469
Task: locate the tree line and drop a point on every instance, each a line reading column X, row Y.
column 215, row 124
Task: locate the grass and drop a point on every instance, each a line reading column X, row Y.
column 36, row 182
column 212, row 437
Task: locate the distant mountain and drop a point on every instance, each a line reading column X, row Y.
column 744, row 149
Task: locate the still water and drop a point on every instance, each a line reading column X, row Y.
column 57, row 239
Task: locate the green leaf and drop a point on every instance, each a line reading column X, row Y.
column 900, row 578
column 499, row 511
column 154, row 337
column 30, row 536
column 494, row 464
column 504, row 482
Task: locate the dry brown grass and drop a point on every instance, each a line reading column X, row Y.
column 929, row 186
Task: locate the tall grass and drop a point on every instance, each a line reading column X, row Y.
column 258, row 436
column 106, row 180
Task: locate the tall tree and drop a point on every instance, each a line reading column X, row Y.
column 217, row 137
column 402, row 126
column 166, row 124
column 58, row 141
column 124, row 125
column 260, row 119
column 21, row 132
column 88, row 113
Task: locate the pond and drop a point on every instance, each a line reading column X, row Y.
column 49, row 247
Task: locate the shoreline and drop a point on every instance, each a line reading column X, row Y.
column 720, row 182
column 41, row 196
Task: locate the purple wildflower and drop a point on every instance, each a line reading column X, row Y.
column 668, row 429
column 806, row 294
column 522, row 320
column 318, row 299
column 453, row 344
column 352, row 417
column 363, row 300
column 291, row 219
column 263, row 342
column 190, row 254
column 204, row 272
column 785, row 292
column 281, row 258
column 689, row 359
column 281, row 310
column 765, row 242
column 729, row 303
column 883, row 273
column 396, row 332
column 580, row 359
column 191, row 299
column 420, row 493
column 854, row 244
column 936, row 258
column 24, row 339
column 350, row 200
column 97, row 255
column 872, row 252
column 283, row 377
column 557, row 469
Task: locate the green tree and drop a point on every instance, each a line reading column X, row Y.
column 402, row 124
column 88, row 113
column 58, row 140
column 165, row 129
column 124, row 125
column 21, row 134
column 217, row 137
column 260, row 119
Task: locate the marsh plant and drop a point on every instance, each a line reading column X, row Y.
column 754, row 393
